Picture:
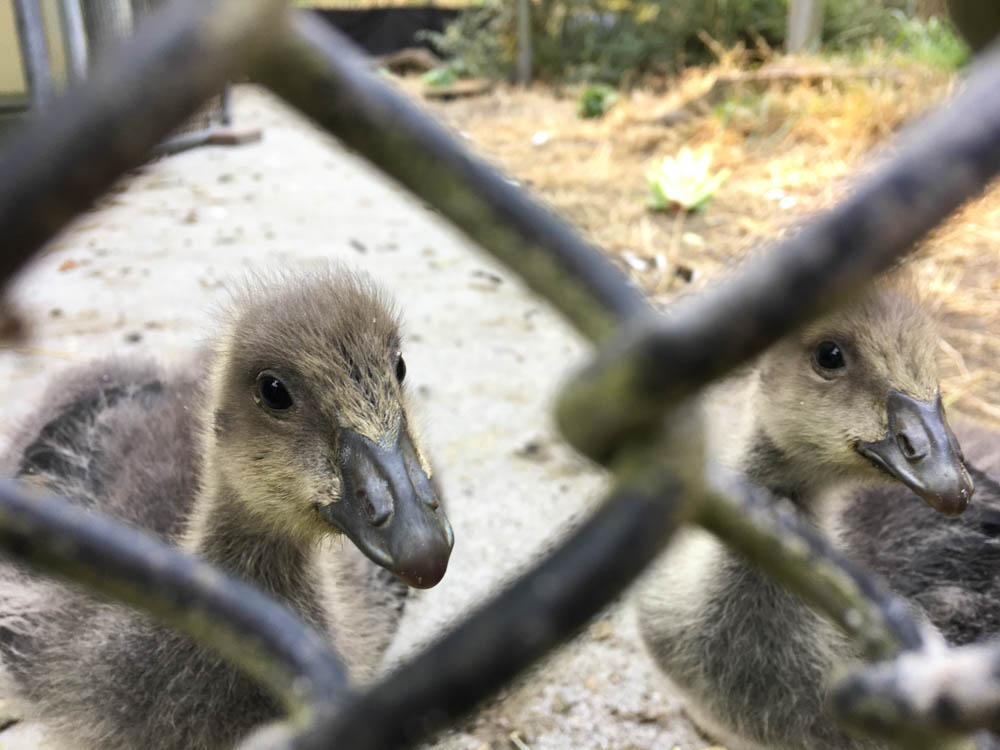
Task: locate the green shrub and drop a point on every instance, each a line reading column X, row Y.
column 442, row 75
column 932, row 42
column 849, row 23
column 483, row 38
column 594, row 101
column 600, row 41
column 447, row 74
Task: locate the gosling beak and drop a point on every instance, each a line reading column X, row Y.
column 921, row 451
column 390, row 510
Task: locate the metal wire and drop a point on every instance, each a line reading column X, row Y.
column 62, row 159
column 71, row 19
column 539, row 611
column 31, row 35
column 615, row 411
column 949, row 158
column 291, row 659
column 952, row 691
column 320, row 72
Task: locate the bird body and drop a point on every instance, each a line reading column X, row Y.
column 850, row 401
column 948, row 567
column 236, row 456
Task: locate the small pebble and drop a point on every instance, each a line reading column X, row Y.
column 602, row 630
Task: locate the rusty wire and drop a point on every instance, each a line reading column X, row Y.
column 59, row 163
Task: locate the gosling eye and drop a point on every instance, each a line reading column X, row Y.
column 400, row 369
column 271, row 392
column 829, row 357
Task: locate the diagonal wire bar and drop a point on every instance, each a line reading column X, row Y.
column 383, row 128
column 262, row 637
column 34, row 52
column 948, row 159
column 519, row 626
column 955, row 690
column 550, row 602
column 752, row 521
column 320, row 72
column 52, row 169
column 63, row 158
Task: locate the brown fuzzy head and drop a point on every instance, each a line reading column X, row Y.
column 310, row 430
column 855, row 396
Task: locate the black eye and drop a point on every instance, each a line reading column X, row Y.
column 272, row 392
column 400, row 369
column 829, row 355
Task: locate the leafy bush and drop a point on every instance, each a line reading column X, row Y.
column 932, row 42
column 483, row 38
column 600, row 41
column 848, row 23
column 442, row 75
column 445, row 75
column 594, row 101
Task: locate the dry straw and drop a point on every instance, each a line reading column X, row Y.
column 793, row 135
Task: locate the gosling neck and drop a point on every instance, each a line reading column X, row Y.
column 765, row 464
column 222, row 534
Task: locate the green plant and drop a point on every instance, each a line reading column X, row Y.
column 932, row 42
column 850, row 23
column 442, row 75
column 745, row 105
column 602, row 41
column 599, row 41
column 684, row 181
column 483, row 38
column 595, row 100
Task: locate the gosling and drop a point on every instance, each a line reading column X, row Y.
column 261, row 457
column 852, row 399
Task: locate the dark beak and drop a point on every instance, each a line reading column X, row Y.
column 390, row 510
column 921, row 451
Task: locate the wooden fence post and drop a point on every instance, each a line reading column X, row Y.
column 524, row 54
column 805, row 25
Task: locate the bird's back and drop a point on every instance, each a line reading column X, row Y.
column 118, row 437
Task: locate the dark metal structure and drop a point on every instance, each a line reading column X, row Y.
column 88, row 30
column 31, row 33
column 382, row 31
column 627, row 410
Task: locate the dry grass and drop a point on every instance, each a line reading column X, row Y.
column 792, row 146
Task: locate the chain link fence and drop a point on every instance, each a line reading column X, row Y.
column 624, row 410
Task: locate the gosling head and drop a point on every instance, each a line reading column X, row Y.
column 310, row 426
column 855, row 395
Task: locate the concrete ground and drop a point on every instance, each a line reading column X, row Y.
column 140, row 276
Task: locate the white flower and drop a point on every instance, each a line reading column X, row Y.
column 684, row 181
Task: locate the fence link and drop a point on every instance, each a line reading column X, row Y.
column 630, row 409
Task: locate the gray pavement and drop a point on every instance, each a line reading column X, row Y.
column 141, row 274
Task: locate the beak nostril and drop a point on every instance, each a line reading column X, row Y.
column 909, row 452
column 375, row 517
